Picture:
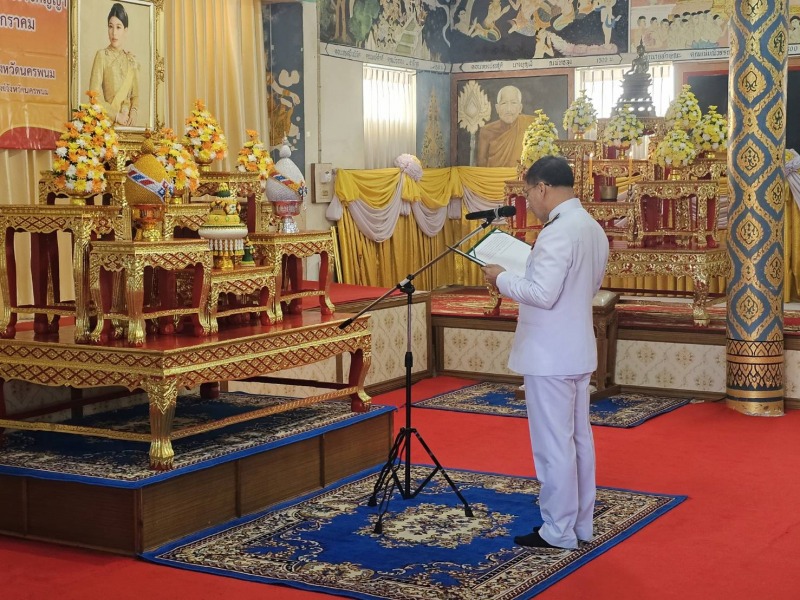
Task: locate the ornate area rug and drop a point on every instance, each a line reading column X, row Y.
column 119, row 463
column 620, row 410
column 428, row 549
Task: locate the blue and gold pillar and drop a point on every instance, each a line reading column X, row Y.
column 757, row 114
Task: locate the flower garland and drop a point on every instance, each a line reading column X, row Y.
column 711, row 131
column 204, row 136
column 540, row 139
column 410, row 165
column 254, row 157
column 87, row 142
column 623, row 128
column 177, row 160
column 581, row 115
column 684, row 111
column 675, row 150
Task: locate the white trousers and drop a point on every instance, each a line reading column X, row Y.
column 563, row 454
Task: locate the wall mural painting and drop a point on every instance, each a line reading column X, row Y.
column 284, row 62
column 682, row 25
column 692, row 29
column 433, row 119
column 491, row 115
column 524, row 29
column 411, row 28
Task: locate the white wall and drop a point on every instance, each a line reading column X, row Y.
column 334, row 128
column 342, row 125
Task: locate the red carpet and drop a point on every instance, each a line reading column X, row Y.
column 736, row 537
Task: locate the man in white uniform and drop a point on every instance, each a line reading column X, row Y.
column 555, row 350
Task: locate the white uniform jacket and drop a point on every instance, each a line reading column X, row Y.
column 554, row 334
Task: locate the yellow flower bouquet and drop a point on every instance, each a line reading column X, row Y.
column 178, row 162
column 581, row 116
column 675, row 150
column 86, row 143
column 203, row 136
column 711, row 132
column 684, row 111
column 540, row 139
column 254, row 157
column 623, row 128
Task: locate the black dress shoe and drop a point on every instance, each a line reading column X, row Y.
column 533, row 540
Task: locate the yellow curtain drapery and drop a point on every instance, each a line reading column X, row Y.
column 383, row 264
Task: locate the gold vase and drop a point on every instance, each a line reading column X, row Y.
column 149, row 222
column 78, row 198
column 204, row 166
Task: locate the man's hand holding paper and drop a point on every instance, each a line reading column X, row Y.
column 500, row 250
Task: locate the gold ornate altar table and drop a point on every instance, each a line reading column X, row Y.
column 43, row 221
column 700, row 265
column 166, row 364
column 132, row 257
column 188, row 216
column 242, row 281
column 285, row 251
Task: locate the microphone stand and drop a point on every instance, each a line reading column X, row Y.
column 400, row 451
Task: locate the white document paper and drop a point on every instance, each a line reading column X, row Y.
column 500, row 248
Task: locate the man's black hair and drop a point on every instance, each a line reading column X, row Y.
column 552, row 170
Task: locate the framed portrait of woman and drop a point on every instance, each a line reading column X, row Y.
column 116, row 51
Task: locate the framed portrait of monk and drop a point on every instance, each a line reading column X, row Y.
column 490, row 114
column 116, row 51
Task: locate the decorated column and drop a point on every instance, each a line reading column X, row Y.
column 757, row 113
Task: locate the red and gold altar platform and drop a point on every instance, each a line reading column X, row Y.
column 130, row 519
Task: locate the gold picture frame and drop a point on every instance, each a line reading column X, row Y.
column 140, row 70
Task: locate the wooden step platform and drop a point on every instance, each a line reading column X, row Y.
column 132, row 520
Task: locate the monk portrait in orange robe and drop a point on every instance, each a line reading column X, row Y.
column 500, row 142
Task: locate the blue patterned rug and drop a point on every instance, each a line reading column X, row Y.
column 428, row 549
column 620, row 410
column 116, row 463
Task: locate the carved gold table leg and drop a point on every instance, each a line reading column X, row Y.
column 81, row 233
column 492, row 309
column 325, row 277
column 163, row 396
column 135, row 297
column 699, row 312
column 273, row 290
column 96, row 335
column 8, row 273
column 360, row 361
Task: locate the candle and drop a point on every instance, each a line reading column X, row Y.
column 630, row 164
column 591, row 173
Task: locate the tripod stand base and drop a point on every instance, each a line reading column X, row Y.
column 388, row 478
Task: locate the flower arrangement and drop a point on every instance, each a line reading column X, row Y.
column 675, row 150
column 684, row 112
column 86, row 143
column 177, row 160
column 711, row 132
column 254, row 157
column 540, row 139
column 203, row 136
column 410, row 165
column 581, row 115
column 623, row 128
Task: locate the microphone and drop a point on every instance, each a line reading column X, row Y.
column 491, row 215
